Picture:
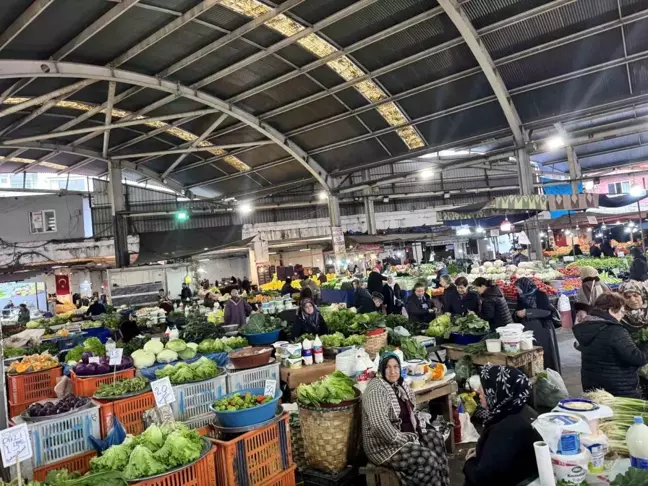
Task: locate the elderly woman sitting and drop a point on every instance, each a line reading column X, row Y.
column 395, row 435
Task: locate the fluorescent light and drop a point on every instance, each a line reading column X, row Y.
column 245, row 208
column 636, row 190
column 618, row 222
column 589, row 229
column 603, row 226
column 554, row 143
column 464, row 230
column 568, row 232
column 506, row 225
column 427, row 174
column 323, row 195
column 304, row 249
column 329, row 262
column 479, row 229
column 542, row 233
column 628, row 230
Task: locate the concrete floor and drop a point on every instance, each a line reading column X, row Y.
column 570, row 361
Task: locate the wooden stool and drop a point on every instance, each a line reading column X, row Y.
column 379, row 476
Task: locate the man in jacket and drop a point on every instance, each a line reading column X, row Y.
column 494, row 308
column 639, row 266
column 375, row 281
column 236, row 310
column 595, row 250
column 464, row 300
column 185, row 293
column 518, row 257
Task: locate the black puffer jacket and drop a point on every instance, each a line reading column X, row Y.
column 639, row 266
column 609, row 358
column 461, row 304
column 494, row 308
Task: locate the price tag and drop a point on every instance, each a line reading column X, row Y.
column 95, row 360
column 163, row 392
column 270, row 388
column 15, row 445
column 115, row 356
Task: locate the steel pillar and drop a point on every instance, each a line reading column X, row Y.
column 575, row 172
column 527, row 188
column 120, row 226
column 370, row 214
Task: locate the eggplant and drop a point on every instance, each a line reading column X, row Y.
column 85, row 357
column 102, row 369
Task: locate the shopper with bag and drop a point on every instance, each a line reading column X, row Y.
column 537, row 314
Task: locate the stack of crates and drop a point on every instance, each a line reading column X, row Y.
column 252, row 378
column 262, row 457
column 85, row 386
column 194, row 399
column 27, row 388
column 129, row 411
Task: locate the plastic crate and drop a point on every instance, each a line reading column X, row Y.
column 64, row 437
column 253, row 378
column 86, row 386
column 69, row 342
column 202, row 424
column 16, row 409
column 80, row 464
column 31, row 387
column 194, row 399
column 346, row 477
column 202, row 473
column 284, row 479
column 255, row 458
column 129, row 411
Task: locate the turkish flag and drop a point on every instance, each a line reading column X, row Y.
column 62, row 285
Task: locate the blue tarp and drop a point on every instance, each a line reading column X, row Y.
column 338, row 296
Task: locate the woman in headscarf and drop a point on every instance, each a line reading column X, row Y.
column 591, row 289
column 636, row 315
column 504, row 455
column 395, row 434
column 309, row 320
column 639, row 265
column 535, row 311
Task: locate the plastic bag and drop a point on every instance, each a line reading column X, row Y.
column 468, row 430
column 116, row 436
column 563, row 304
column 63, row 387
column 550, row 389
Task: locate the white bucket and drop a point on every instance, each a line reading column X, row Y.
column 510, row 344
column 493, row 345
column 526, row 341
column 570, row 469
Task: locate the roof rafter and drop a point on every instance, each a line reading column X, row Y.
column 36, row 8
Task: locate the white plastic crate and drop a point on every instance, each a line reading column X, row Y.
column 200, row 421
column 63, row 437
column 194, row 399
column 253, row 378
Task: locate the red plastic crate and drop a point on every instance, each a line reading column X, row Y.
column 255, row 457
column 79, row 463
column 86, row 386
column 202, row 473
column 31, row 387
column 284, row 479
column 129, row 411
column 16, row 409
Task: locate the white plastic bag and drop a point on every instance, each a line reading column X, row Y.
column 468, row 431
column 563, row 304
column 550, row 390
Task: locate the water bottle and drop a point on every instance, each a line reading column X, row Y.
column 110, row 345
column 637, row 440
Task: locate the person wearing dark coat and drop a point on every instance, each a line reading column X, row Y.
column 420, row 307
column 322, row 278
column 287, row 287
column 607, row 249
column 535, row 311
column 96, row 308
column 375, row 281
column 185, row 293
column 462, row 300
column 246, row 285
column 639, row 265
column 519, row 257
column 449, row 291
column 595, row 250
column 505, row 455
column 610, row 360
column 577, row 250
column 494, row 308
column 128, row 326
column 391, row 291
column 236, row 310
column 309, row 320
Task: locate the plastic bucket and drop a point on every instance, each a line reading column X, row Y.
column 250, row 416
column 510, row 344
column 493, row 345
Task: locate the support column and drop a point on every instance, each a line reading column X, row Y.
column 527, row 180
column 575, row 172
column 259, row 257
column 370, row 214
column 120, row 226
column 337, row 234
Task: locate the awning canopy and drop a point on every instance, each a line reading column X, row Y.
column 171, row 245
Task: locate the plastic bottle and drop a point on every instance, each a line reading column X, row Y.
column 318, row 350
column 110, row 345
column 637, row 440
column 174, row 333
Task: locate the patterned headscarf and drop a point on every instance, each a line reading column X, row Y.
column 527, row 292
column 635, row 317
column 310, row 318
column 507, row 390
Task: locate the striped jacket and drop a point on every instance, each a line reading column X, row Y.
column 381, row 422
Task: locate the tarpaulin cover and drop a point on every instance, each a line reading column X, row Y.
column 491, row 221
column 619, row 201
column 184, row 243
column 496, row 206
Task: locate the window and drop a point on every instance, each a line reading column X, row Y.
column 619, row 188
column 42, row 221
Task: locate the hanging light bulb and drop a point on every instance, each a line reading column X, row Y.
column 506, row 225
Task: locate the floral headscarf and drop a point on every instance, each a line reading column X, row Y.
column 527, row 292
column 507, row 390
column 635, row 317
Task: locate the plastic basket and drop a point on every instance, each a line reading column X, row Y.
column 69, row 342
column 31, row 387
column 202, row 473
column 86, row 386
column 80, row 464
column 255, row 458
column 249, row 416
column 16, row 409
column 194, row 399
column 253, row 378
column 284, row 479
column 466, row 339
column 202, row 424
column 129, row 411
column 64, row 437
column 263, row 338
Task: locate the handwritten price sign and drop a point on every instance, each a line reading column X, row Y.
column 163, row 392
column 115, row 356
column 270, row 388
column 15, row 445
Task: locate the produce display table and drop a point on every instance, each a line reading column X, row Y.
column 306, row 374
column 612, row 470
column 440, row 391
column 531, row 361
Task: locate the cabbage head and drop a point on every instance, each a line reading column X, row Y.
column 143, row 359
column 154, row 347
column 176, row 345
column 167, row 356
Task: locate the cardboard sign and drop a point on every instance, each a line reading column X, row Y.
column 115, row 356
column 95, row 360
column 270, row 388
column 163, row 392
column 15, row 445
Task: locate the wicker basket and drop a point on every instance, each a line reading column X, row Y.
column 375, row 343
column 330, row 435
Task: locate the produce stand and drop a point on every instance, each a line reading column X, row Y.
column 440, row 391
column 306, row 374
column 530, row 361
